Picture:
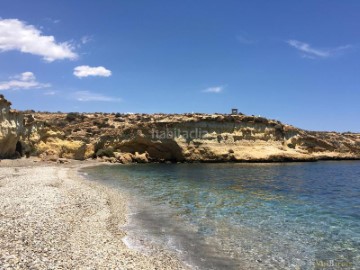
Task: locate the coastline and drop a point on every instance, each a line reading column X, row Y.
column 265, row 236
column 51, row 217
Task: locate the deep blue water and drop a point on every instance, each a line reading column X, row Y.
column 245, row 216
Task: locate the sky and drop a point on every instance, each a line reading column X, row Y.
column 294, row 61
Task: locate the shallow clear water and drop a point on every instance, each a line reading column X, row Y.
column 245, row 216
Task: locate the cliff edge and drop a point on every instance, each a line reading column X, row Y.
column 195, row 137
column 184, row 138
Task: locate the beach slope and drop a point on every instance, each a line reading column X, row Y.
column 51, row 218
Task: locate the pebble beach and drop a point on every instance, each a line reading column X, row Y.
column 52, row 218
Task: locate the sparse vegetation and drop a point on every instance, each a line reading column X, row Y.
column 107, row 152
column 72, row 116
column 290, row 145
column 119, row 120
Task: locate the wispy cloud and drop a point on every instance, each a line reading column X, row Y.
column 86, row 39
column 25, row 80
column 50, row 93
column 19, row 36
column 86, row 71
column 243, row 39
column 214, row 89
column 54, row 21
column 86, row 96
column 311, row 52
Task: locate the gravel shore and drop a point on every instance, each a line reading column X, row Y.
column 51, row 218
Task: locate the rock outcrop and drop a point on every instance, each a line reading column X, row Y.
column 144, row 138
column 11, row 128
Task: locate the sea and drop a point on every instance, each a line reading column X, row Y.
column 243, row 215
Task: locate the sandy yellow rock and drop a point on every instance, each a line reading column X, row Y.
column 11, row 128
column 172, row 137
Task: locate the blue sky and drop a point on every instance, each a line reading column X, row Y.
column 296, row 61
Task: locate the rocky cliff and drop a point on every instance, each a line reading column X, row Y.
column 186, row 137
column 11, row 128
column 128, row 138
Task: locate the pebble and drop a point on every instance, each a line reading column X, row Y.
column 51, row 218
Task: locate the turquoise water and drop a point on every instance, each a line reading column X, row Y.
column 245, row 216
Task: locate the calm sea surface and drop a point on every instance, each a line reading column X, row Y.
column 244, row 216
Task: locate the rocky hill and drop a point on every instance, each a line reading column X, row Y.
column 11, row 128
column 128, row 138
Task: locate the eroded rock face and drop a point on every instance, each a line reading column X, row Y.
column 187, row 137
column 11, row 128
column 143, row 138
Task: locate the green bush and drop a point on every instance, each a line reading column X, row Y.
column 290, row 145
column 72, row 116
column 107, row 152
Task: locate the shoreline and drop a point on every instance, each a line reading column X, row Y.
column 52, row 217
column 265, row 248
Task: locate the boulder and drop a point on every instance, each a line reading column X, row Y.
column 141, row 158
column 126, row 158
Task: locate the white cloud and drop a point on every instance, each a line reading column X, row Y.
column 310, row 52
column 25, row 76
column 85, row 71
column 25, row 80
column 86, row 39
column 90, row 96
column 19, row 36
column 214, row 89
